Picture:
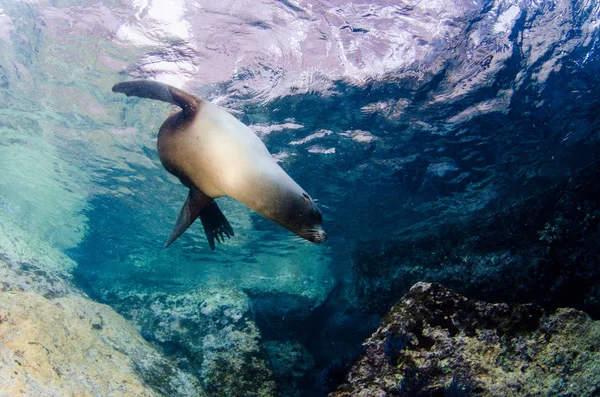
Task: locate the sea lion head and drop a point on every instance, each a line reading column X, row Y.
column 297, row 212
column 305, row 219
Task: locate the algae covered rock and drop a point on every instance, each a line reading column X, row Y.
column 434, row 342
column 209, row 332
column 72, row 346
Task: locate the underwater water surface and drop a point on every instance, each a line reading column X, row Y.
column 444, row 141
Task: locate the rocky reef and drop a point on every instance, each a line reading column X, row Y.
column 435, row 342
column 292, row 365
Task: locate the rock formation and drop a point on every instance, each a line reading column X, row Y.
column 72, row 346
column 209, row 332
column 435, row 342
column 55, row 341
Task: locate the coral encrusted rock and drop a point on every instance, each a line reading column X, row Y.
column 434, row 342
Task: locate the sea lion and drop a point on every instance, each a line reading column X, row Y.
column 214, row 155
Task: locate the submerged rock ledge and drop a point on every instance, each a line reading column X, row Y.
column 72, row 346
column 435, row 342
column 55, row 341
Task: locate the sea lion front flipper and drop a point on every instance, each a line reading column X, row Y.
column 196, row 202
column 200, row 205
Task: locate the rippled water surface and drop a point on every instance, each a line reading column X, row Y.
column 398, row 116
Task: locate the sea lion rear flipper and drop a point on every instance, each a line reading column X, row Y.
column 161, row 92
column 200, row 205
column 216, row 226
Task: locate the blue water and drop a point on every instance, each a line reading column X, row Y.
column 400, row 118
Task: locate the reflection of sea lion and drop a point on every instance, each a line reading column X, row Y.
column 214, row 155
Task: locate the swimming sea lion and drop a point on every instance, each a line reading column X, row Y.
column 214, row 154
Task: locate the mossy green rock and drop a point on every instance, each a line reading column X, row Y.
column 209, row 332
column 434, row 342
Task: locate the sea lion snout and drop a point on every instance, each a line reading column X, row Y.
column 316, row 236
column 301, row 215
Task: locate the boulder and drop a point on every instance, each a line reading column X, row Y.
column 435, row 342
column 29, row 263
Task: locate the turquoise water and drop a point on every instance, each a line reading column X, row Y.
column 400, row 119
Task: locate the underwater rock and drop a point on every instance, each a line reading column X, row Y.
column 28, row 263
column 24, row 276
column 435, row 342
column 210, row 332
column 292, row 365
column 281, row 314
column 73, row 346
column 542, row 250
column 56, row 341
column 283, row 305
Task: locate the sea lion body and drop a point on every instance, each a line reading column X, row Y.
column 215, row 155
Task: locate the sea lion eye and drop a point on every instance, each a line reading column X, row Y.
column 305, row 196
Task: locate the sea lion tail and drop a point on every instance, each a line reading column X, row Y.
column 159, row 91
